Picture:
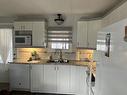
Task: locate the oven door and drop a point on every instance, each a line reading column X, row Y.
column 23, row 40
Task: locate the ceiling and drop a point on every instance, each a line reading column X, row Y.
column 41, row 7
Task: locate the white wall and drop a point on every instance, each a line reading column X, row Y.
column 4, row 74
column 115, row 16
column 112, row 71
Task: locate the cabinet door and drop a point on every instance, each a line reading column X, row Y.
column 73, row 80
column 27, row 25
column 50, row 79
column 81, row 81
column 37, row 78
column 17, row 26
column 22, row 25
column 93, row 28
column 82, row 34
column 38, row 34
column 19, row 77
column 63, row 79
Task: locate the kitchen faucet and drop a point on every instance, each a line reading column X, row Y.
column 61, row 56
column 59, row 52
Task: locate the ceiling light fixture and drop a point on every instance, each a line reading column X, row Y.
column 59, row 20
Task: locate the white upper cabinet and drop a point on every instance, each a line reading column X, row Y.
column 87, row 33
column 93, row 28
column 38, row 34
column 82, row 34
column 38, row 29
column 23, row 25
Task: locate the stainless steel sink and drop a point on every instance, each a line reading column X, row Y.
column 58, row 61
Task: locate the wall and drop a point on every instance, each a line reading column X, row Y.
column 115, row 16
column 111, row 72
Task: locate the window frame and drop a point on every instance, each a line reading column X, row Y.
column 65, row 36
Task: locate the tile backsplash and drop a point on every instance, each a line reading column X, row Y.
column 23, row 54
column 83, row 54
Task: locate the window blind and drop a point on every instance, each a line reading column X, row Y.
column 59, row 38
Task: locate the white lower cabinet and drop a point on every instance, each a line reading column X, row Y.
column 37, row 78
column 78, row 80
column 73, row 80
column 48, row 78
column 81, row 80
column 56, row 79
column 63, row 79
column 19, row 77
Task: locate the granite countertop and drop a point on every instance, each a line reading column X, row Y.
column 90, row 65
column 71, row 62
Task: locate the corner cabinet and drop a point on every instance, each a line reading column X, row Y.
column 87, row 33
column 38, row 29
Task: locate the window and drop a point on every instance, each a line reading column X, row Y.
column 59, row 45
column 59, row 39
column 6, row 49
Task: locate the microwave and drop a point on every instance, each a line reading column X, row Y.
column 23, row 40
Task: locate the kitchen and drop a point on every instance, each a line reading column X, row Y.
column 67, row 79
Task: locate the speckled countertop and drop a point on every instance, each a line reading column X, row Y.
column 71, row 62
column 90, row 65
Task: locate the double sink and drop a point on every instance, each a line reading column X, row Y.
column 58, row 61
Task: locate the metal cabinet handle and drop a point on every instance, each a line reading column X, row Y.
column 78, row 43
column 30, row 67
column 54, row 68
column 21, row 27
column 57, row 68
column 87, row 43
